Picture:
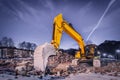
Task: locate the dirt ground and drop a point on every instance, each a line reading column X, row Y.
column 81, row 76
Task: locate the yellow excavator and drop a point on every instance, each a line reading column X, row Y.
column 42, row 52
column 60, row 25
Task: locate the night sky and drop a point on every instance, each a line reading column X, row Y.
column 32, row 20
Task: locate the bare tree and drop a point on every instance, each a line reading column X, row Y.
column 22, row 45
column 33, row 46
column 27, row 45
column 10, row 42
column 4, row 42
column 7, row 42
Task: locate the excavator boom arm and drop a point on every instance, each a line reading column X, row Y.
column 57, row 31
column 61, row 25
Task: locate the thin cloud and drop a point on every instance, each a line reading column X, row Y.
column 32, row 20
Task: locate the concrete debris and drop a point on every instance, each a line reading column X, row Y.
column 41, row 55
column 58, row 65
column 16, row 66
column 62, row 64
column 112, row 69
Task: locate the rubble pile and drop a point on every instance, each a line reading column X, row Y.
column 23, row 67
column 59, row 58
column 14, row 66
column 112, row 69
column 58, row 65
column 6, row 65
column 61, row 64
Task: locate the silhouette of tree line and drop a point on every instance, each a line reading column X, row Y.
column 8, row 42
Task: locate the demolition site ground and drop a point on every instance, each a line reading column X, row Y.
column 58, row 68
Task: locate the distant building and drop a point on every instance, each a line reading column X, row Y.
column 13, row 52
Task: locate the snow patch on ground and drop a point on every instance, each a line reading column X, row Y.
column 91, row 76
column 81, row 76
column 11, row 77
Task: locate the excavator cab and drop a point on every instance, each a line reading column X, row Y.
column 90, row 50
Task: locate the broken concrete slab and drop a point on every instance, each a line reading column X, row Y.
column 41, row 55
